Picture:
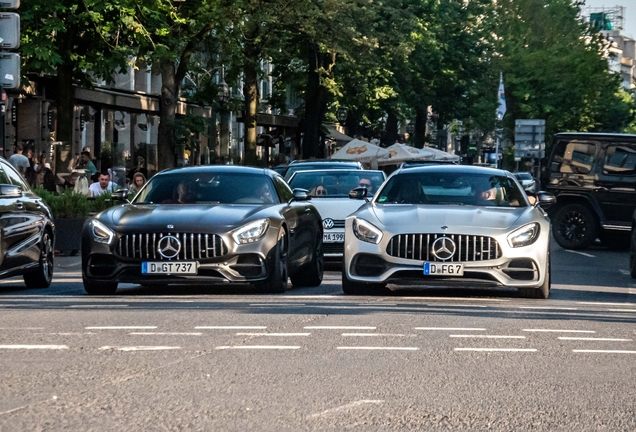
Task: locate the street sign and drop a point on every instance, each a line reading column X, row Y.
column 529, row 138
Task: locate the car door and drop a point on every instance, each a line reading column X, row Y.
column 615, row 185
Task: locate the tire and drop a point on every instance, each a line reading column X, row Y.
column 42, row 277
column 574, row 227
column 543, row 292
column 99, row 288
column 632, row 254
column 310, row 275
column 276, row 281
column 350, row 287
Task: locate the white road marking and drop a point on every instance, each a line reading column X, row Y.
column 595, row 339
column 21, row 328
column 277, row 304
column 164, row 334
column 557, row 331
column 139, row 348
column 622, row 310
column 451, row 328
column 372, row 334
column 100, row 306
column 498, row 349
column 339, row 328
column 274, row 347
column 348, row 406
column 456, row 299
column 606, row 304
column 624, row 272
column 605, row 351
column 273, row 334
column 50, row 347
column 230, row 327
column 547, row 307
column 121, row 328
column 580, row 253
column 378, row 348
column 488, row 336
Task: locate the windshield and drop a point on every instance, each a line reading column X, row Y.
column 459, row 188
column 336, row 184
column 200, row 187
column 319, row 166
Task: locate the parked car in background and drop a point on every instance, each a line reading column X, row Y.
column 593, row 176
column 632, row 248
column 27, row 231
column 304, row 165
column 528, row 182
column 330, row 194
column 203, row 225
column 448, row 226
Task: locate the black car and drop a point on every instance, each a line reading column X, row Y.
column 316, row 164
column 206, row 224
column 593, row 176
column 632, row 249
column 27, row 232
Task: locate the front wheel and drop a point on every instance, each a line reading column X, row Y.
column 310, row 275
column 632, row 254
column 276, row 281
column 99, row 288
column 574, row 227
column 42, row 277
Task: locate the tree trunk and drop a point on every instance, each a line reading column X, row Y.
column 419, row 135
column 250, row 92
column 315, row 102
column 167, row 112
column 391, row 134
column 65, row 112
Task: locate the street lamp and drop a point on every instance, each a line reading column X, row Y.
column 342, row 114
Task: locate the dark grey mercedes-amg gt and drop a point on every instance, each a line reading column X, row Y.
column 202, row 225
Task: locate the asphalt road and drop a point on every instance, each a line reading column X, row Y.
column 227, row 359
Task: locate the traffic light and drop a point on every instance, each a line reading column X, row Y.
column 9, row 40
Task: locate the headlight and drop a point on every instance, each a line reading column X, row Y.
column 524, row 236
column 252, row 232
column 101, row 233
column 365, row 231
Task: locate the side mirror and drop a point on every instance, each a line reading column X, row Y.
column 546, row 198
column 358, row 193
column 120, row 195
column 10, row 191
column 301, row 195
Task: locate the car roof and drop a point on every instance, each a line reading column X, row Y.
column 318, row 161
column 416, row 163
column 467, row 169
column 596, row 135
column 220, row 168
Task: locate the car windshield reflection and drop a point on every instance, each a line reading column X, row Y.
column 336, row 183
column 444, row 188
column 208, row 188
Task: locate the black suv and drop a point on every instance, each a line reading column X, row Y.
column 593, row 176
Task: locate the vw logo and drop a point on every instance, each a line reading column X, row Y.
column 327, row 223
column 443, row 248
column 169, row 247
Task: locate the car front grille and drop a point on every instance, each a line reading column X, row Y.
column 193, row 246
column 340, row 223
column 333, row 248
column 467, row 247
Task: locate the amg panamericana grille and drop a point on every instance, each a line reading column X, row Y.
column 193, row 246
column 468, row 247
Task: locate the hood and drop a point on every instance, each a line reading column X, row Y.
column 336, row 208
column 184, row 217
column 403, row 217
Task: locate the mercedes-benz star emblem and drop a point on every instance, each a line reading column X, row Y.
column 327, row 223
column 443, row 248
column 169, row 247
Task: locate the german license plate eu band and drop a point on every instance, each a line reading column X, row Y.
column 443, row 269
column 169, row 268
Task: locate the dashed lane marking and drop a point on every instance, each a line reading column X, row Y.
column 105, row 306
column 497, row 349
column 260, row 347
column 622, row 310
column 347, row 407
column 339, row 328
column 378, row 348
column 580, row 253
column 274, row 334
column 374, row 334
column 557, row 331
column 623, row 272
column 277, row 304
column 139, row 348
column 488, row 336
column 164, row 334
column 605, row 351
column 230, row 327
column 548, row 307
column 606, row 304
column 42, row 347
column 121, row 328
column 595, row 339
column 451, row 328
column 21, row 328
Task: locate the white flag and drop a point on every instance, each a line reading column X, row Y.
column 501, row 108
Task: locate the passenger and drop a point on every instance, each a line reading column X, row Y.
column 183, row 194
column 366, row 183
column 264, row 194
column 319, row 190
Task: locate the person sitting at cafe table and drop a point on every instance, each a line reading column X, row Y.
column 102, row 185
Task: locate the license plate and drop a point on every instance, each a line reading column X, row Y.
column 169, row 268
column 441, row 269
column 333, row 237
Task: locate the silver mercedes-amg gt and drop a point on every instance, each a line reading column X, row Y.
column 448, row 225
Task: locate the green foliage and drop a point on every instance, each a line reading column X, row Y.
column 71, row 204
